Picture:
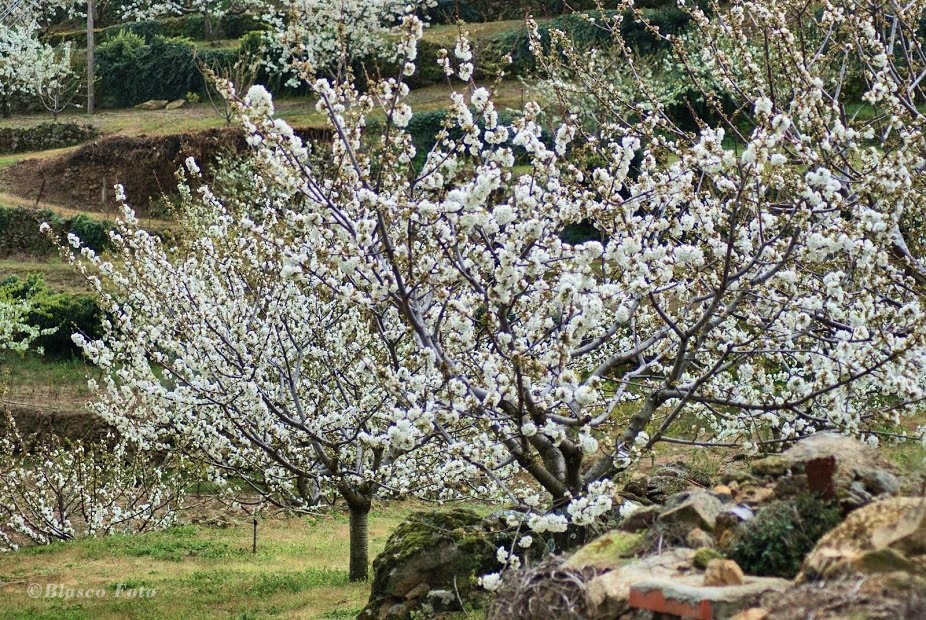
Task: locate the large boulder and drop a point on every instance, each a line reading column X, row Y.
column 882, row 537
column 607, row 551
column 691, row 509
column 687, row 598
column 608, row 595
column 831, row 465
column 430, row 555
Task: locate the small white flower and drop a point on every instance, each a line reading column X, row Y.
column 491, row 581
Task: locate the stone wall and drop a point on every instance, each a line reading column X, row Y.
column 44, row 137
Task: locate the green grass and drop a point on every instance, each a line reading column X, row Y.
column 298, row 111
column 910, row 457
column 11, row 160
column 447, row 34
column 59, row 276
column 39, row 384
column 299, row 571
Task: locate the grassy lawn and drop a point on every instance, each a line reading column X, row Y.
column 59, row 276
column 295, row 110
column 41, row 385
column 447, row 34
column 299, row 571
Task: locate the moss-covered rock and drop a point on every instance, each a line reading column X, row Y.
column 607, row 551
column 704, row 555
column 431, row 551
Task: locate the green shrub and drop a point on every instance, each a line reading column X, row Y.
column 63, row 312
column 775, row 542
column 20, row 235
column 229, row 26
column 93, row 233
column 451, row 11
column 233, row 26
column 117, row 64
column 491, row 50
column 132, row 71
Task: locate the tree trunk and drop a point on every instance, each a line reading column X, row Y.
column 91, row 57
column 207, row 24
column 359, row 540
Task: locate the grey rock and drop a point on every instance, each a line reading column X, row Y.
column 832, row 465
column 685, row 511
column 152, row 104
column 640, row 519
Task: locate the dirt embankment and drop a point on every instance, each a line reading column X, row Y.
column 145, row 165
column 39, row 423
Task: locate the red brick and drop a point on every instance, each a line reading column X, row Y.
column 654, row 600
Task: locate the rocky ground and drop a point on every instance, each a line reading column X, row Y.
column 827, row 529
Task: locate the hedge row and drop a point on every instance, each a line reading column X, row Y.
column 65, row 313
column 449, row 11
column 20, row 235
column 43, row 137
column 490, row 51
column 190, row 27
column 132, row 70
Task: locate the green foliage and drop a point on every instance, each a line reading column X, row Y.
column 580, row 232
column 451, row 11
column 20, row 235
column 166, row 70
column 132, row 70
column 64, row 313
column 230, row 26
column 117, row 62
column 775, row 542
column 493, row 10
column 92, row 233
column 586, row 30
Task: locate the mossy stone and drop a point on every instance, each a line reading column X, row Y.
column 442, row 549
column 704, row 555
column 773, row 466
column 885, row 561
column 608, row 550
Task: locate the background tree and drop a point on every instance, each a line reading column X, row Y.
column 56, row 84
column 141, row 10
column 16, row 334
column 329, row 37
column 231, row 356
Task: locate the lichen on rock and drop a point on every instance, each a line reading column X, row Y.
column 442, row 551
